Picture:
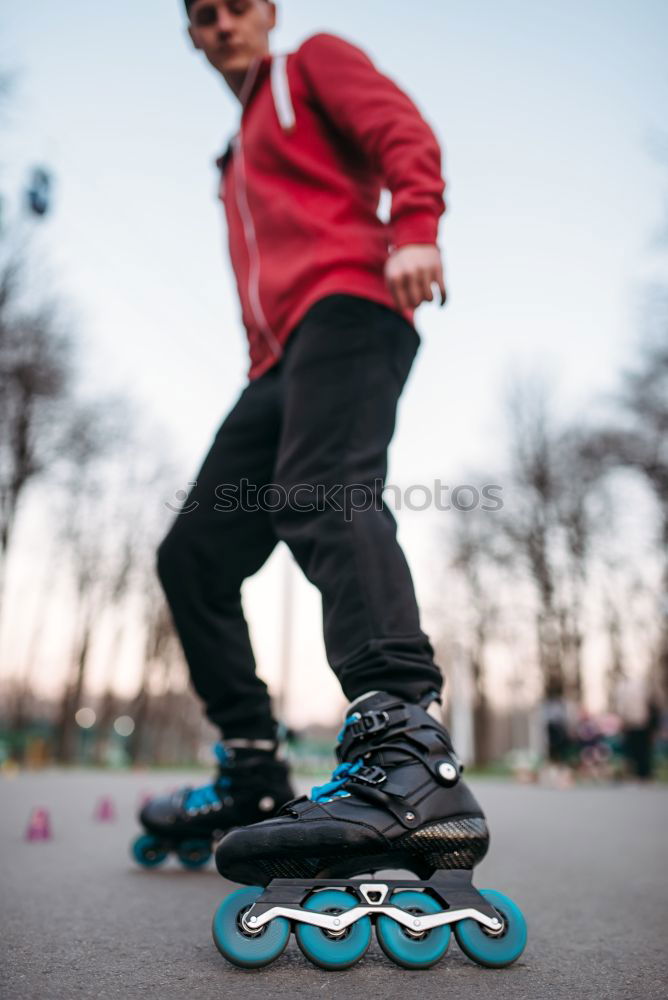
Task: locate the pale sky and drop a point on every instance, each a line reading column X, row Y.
column 546, row 112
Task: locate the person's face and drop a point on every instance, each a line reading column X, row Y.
column 231, row 33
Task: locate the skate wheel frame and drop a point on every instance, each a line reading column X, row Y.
column 414, row 919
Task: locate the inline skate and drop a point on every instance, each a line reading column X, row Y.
column 396, row 801
column 252, row 784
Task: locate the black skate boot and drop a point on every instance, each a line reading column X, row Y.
column 252, row 784
column 396, row 801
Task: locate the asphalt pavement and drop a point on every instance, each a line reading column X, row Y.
column 78, row 919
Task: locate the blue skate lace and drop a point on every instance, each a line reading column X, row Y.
column 346, row 722
column 207, row 795
column 333, row 788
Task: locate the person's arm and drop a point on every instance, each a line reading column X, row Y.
column 383, row 121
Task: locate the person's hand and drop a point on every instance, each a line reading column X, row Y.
column 410, row 273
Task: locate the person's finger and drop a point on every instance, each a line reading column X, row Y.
column 389, row 281
column 398, row 289
column 440, row 281
column 414, row 289
column 421, row 286
column 408, row 290
column 426, row 280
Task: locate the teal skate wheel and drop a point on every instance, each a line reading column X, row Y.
column 329, row 949
column 238, row 946
column 194, row 854
column 494, row 951
column 149, row 851
column 412, row 949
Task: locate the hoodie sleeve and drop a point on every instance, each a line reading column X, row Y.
column 386, row 125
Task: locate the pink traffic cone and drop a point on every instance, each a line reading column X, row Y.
column 39, row 826
column 105, row 811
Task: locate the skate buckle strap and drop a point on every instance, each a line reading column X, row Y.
column 334, row 787
column 359, row 725
column 347, row 773
column 372, row 775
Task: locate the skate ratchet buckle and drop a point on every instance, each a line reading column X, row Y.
column 372, row 775
column 362, row 724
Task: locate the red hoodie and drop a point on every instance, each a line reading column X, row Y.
column 322, row 133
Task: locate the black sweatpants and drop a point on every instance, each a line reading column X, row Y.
column 319, row 421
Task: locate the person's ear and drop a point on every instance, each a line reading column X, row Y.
column 192, row 38
column 272, row 16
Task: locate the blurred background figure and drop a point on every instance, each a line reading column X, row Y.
column 641, row 719
column 559, row 745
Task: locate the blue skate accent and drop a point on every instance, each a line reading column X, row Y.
column 208, row 795
column 322, row 793
column 198, row 798
column 342, row 731
column 333, row 788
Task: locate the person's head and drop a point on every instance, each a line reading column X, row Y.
column 231, row 33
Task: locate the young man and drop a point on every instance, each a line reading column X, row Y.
column 327, row 293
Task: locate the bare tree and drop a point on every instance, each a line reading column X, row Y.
column 637, row 438
column 551, row 522
column 35, row 377
column 617, row 668
column 478, row 546
column 89, row 533
column 578, row 517
column 531, row 520
column 161, row 654
column 138, row 520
